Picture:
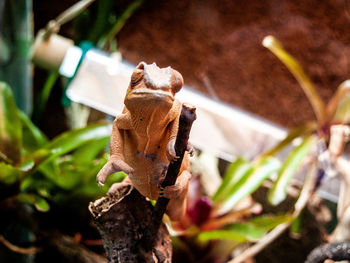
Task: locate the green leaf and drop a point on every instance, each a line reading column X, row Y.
column 65, row 175
column 221, row 235
column 90, row 189
column 295, row 228
column 257, row 227
column 43, row 96
column 37, row 184
column 71, row 140
column 278, row 192
column 248, row 183
column 252, row 230
column 268, row 222
column 10, row 125
column 33, row 138
column 114, row 30
column 233, row 174
column 294, row 133
column 338, row 108
column 27, row 165
column 40, row 203
column 68, row 174
column 295, row 68
column 89, row 151
column 8, row 173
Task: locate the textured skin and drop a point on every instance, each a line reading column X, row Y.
column 143, row 137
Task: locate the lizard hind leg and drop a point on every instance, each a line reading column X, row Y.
column 177, row 206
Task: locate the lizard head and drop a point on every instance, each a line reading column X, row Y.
column 153, row 86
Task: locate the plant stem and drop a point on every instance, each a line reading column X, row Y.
column 305, row 195
column 294, row 67
column 119, row 24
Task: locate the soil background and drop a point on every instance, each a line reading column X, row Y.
column 216, row 45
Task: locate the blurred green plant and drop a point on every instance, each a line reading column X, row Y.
column 40, row 171
column 16, row 37
column 99, row 25
column 337, row 111
column 102, row 22
column 218, row 226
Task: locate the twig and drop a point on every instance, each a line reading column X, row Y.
column 17, row 249
column 54, row 25
column 187, row 117
column 75, row 252
column 207, row 84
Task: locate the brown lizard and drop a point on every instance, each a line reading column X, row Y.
column 143, row 137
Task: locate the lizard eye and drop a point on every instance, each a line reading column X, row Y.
column 136, row 77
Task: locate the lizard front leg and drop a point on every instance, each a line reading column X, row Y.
column 116, row 161
column 170, row 149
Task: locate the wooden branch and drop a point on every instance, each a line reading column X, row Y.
column 17, row 249
column 336, row 251
column 187, row 117
column 121, row 219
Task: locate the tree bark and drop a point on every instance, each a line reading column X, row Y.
column 122, row 219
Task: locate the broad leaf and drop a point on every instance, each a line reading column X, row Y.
column 36, row 183
column 40, row 203
column 8, row 173
column 294, row 133
column 68, row 174
column 33, row 138
column 89, row 151
column 295, row 228
column 91, row 190
column 71, row 140
column 248, row 183
column 252, row 230
column 42, row 97
column 64, row 175
column 295, row 68
column 278, row 192
column 233, row 174
column 268, row 222
column 27, row 165
column 10, row 125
